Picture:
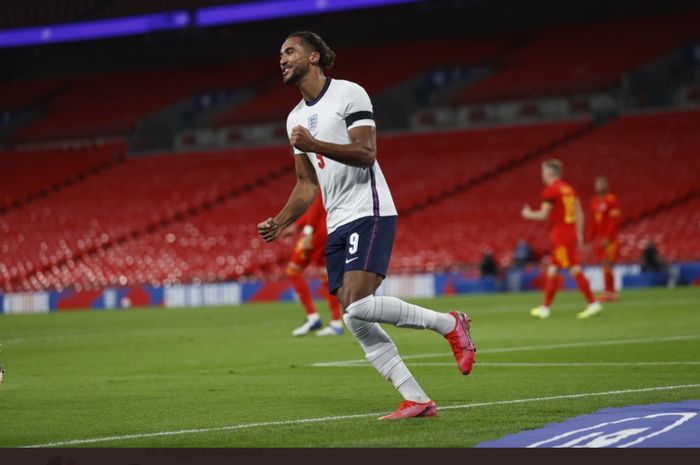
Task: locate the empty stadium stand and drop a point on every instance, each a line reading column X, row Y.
column 21, row 95
column 675, row 231
column 441, row 162
column 147, row 223
column 113, row 103
column 28, row 174
column 581, row 58
column 184, row 218
column 563, row 60
column 133, row 198
column 650, row 159
column 89, row 216
column 378, row 68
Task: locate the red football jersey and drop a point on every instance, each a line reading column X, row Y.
column 563, row 216
column 315, row 217
column 605, row 212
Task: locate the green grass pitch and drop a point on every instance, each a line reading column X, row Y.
column 235, row 377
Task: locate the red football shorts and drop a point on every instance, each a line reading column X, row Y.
column 564, row 255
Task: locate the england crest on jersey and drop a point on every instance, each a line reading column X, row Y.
column 313, row 123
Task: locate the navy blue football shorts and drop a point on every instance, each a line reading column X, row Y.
column 364, row 244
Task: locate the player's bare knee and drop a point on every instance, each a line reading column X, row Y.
column 347, row 296
column 575, row 270
column 552, row 270
column 340, row 294
column 351, row 295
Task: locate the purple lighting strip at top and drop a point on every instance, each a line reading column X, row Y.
column 100, row 29
column 142, row 24
column 271, row 9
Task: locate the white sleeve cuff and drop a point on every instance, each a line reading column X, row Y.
column 362, row 122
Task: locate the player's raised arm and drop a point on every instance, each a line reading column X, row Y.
column 537, row 215
column 299, row 201
column 360, row 152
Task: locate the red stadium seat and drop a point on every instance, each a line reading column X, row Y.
column 32, row 173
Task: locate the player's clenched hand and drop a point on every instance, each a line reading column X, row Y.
column 302, row 139
column 526, row 211
column 269, row 229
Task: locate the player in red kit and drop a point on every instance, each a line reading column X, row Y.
column 605, row 211
column 310, row 248
column 563, row 209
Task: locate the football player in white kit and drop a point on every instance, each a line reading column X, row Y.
column 333, row 139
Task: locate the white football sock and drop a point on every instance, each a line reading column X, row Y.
column 399, row 313
column 382, row 354
column 410, row 390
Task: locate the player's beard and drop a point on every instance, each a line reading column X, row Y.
column 298, row 73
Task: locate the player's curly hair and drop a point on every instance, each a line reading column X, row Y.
column 318, row 45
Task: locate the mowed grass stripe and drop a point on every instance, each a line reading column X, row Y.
column 570, row 345
column 300, row 421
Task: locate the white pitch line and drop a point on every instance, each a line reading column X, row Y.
column 301, row 421
column 555, row 364
column 573, row 396
column 568, row 345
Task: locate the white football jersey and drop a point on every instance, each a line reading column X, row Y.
column 348, row 192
